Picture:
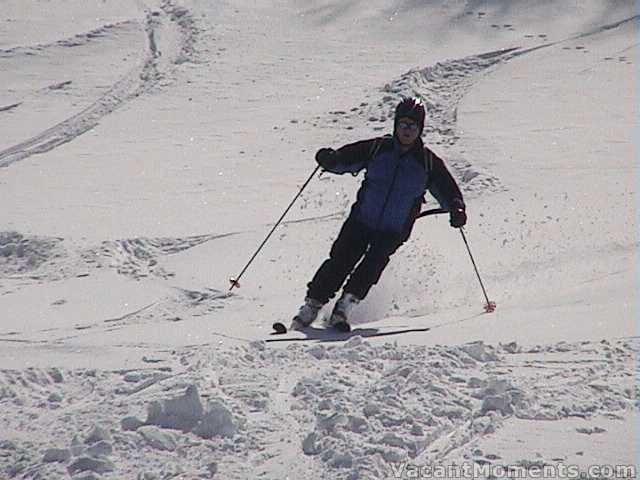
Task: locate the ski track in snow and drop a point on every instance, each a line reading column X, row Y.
column 46, row 258
column 156, row 66
column 77, row 40
column 40, row 259
column 441, row 86
column 26, row 260
column 50, row 258
column 29, row 260
column 354, row 409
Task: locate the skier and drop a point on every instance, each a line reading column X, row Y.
column 399, row 170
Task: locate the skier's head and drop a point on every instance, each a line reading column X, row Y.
column 409, row 115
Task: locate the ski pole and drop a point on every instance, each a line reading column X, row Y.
column 433, row 211
column 235, row 281
column 490, row 306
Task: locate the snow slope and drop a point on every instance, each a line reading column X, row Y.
column 147, row 148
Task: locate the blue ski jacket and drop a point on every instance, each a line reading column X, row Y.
column 394, row 185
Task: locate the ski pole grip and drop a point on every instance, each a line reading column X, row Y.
column 433, row 211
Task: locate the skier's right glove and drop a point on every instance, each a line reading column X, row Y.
column 326, row 158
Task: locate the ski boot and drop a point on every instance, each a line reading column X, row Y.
column 340, row 316
column 307, row 314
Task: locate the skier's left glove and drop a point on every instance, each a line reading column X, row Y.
column 326, row 158
column 457, row 214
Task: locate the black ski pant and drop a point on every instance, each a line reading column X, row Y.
column 354, row 242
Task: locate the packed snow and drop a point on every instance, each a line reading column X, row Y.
column 149, row 146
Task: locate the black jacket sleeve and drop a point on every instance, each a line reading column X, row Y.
column 353, row 157
column 442, row 184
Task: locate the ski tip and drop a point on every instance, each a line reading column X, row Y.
column 279, row 328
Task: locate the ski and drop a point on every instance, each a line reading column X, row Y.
column 332, row 334
column 280, row 328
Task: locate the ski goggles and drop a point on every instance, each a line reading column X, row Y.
column 408, row 126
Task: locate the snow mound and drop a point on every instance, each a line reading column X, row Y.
column 352, row 410
column 181, row 413
column 20, row 254
column 216, row 422
column 184, row 413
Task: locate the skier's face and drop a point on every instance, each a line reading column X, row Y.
column 407, row 131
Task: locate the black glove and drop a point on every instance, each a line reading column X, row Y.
column 326, row 158
column 457, row 215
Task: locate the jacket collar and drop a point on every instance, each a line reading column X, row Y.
column 415, row 150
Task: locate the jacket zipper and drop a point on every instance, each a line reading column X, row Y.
column 386, row 200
